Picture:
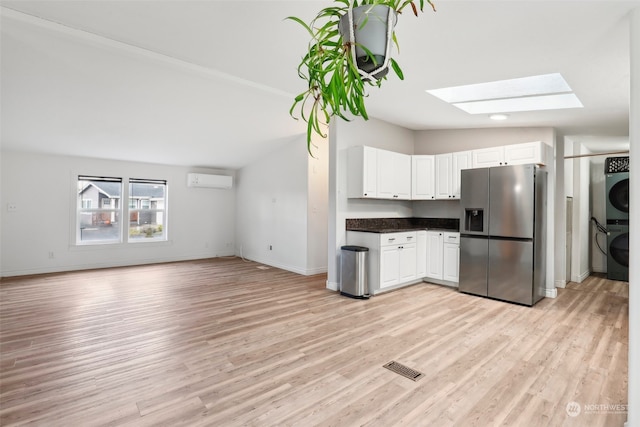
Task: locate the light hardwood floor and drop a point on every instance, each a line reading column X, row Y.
column 224, row 343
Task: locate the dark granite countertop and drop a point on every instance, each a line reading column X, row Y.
column 397, row 225
column 399, row 230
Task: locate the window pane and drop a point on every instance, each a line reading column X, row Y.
column 98, row 215
column 99, row 226
column 148, row 221
column 99, row 191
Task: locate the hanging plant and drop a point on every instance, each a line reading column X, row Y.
column 349, row 51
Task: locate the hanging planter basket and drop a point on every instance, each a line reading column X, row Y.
column 349, row 51
column 370, row 29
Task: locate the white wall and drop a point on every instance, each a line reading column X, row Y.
column 581, row 246
column 436, row 209
column 598, row 209
column 318, row 207
column 200, row 221
column 560, row 216
column 281, row 209
column 373, row 133
column 452, row 140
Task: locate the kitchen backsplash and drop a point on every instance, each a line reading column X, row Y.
column 402, row 223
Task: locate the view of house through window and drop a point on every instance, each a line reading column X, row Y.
column 100, row 209
column 147, row 209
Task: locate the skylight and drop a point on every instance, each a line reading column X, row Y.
column 544, row 92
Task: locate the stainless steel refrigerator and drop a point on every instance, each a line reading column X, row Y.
column 503, row 233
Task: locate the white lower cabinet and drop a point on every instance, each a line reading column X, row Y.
column 398, row 252
column 421, row 254
column 451, row 257
column 397, row 259
column 434, row 254
column 407, row 255
column 443, row 256
column 393, row 258
column 389, row 266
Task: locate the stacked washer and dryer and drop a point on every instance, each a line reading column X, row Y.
column 617, row 192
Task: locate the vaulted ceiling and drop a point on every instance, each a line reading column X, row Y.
column 210, row 83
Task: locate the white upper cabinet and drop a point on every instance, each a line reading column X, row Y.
column 378, row 174
column 362, row 172
column 515, row 154
column 444, row 168
column 448, row 167
column 423, row 178
column 394, row 175
column 461, row 160
column 488, row 157
column 382, row 174
column 520, row 154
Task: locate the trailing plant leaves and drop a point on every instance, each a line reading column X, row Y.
column 396, row 68
column 335, row 85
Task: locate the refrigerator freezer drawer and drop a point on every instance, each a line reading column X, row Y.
column 511, row 270
column 473, row 265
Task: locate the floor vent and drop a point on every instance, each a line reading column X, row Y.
column 405, row 371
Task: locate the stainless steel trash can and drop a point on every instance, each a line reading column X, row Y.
column 354, row 281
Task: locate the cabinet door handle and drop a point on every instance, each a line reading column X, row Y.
column 409, row 237
column 391, row 239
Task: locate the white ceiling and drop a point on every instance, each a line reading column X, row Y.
column 210, row 83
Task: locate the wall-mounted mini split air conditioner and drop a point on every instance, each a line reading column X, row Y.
column 209, row 181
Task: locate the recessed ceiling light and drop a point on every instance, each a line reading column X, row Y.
column 498, row 116
column 544, row 92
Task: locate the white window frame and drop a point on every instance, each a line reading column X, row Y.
column 82, row 211
column 123, row 210
column 141, row 210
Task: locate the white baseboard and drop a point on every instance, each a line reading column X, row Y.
column 109, row 264
column 314, row 271
column 551, row 293
column 581, row 277
column 561, row 284
column 291, row 268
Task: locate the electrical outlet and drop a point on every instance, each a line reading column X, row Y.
column 51, row 255
column 12, row 207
